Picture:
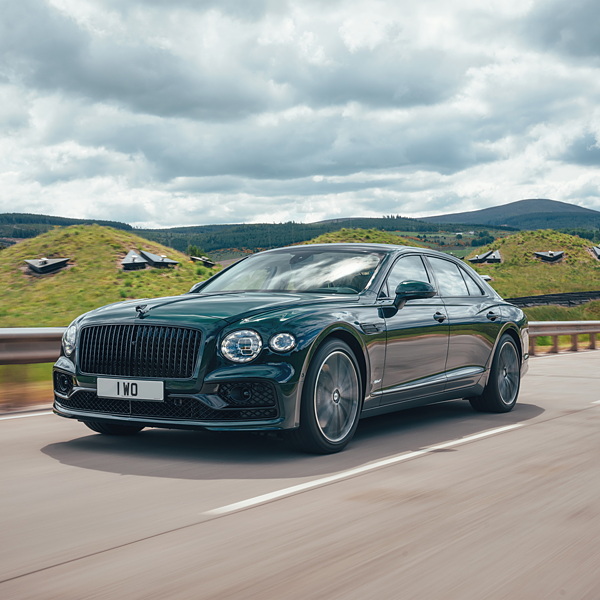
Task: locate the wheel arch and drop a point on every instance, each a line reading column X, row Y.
column 509, row 329
column 357, row 350
column 351, row 339
column 514, row 334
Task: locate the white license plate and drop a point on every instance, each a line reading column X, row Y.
column 130, row 389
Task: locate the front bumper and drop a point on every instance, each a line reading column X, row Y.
column 225, row 409
column 229, row 400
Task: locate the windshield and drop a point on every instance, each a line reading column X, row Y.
column 300, row 270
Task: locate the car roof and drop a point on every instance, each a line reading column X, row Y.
column 346, row 245
column 364, row 246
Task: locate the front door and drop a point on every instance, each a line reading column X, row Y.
column 417, row 340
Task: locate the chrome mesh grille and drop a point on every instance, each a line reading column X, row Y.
column 139, row 351
column 181, row 409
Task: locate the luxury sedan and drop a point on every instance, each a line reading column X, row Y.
column 305, row 340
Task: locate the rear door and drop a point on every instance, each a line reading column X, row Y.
column 474, row 319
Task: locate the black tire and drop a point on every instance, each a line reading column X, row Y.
column 331, row 400
column 502, row 389
column 113, row 428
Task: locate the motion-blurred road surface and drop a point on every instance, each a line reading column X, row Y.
column 434, row 503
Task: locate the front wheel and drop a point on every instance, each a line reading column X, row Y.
column 113, row 428
column 500, row 393
column 331, row 400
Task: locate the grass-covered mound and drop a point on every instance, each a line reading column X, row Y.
column 369, row 236
column 589, row 311
column 93, row 278
column 522, row 274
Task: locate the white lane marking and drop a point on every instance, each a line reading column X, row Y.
column 229, row 508
column 39, row 414
column 596, row 402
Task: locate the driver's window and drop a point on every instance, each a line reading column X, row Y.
column 408, row 267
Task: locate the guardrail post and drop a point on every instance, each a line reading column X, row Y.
column 532, row 345
column 592, row 345
column 554, row 349
column 574, row 342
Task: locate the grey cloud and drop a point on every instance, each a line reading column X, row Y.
column 309, row 144
column 571, row 28
column 245, row 10
column 584, row 151
column 51, row 52
column 404, row 125
column 79, row 168
column 393, row 74
column 307, row 186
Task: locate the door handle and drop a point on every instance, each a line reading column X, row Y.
column 492, row 316
column 439, row 317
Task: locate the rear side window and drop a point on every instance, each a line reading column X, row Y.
column 407, row 267
column 449, row 279
column 474, row 289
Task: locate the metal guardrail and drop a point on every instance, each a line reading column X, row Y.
column 554, row 329
column 29, row 345
column 24, row 346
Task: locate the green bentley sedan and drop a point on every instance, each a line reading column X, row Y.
column 306, row 340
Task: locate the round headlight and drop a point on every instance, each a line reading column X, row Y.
column 241, row 346
column 69, row 339
column 282, row 342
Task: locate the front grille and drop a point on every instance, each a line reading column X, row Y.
column 89, row 401
column 181, row 409
column 139, row 351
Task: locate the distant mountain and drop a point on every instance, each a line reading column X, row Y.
column 526, row 214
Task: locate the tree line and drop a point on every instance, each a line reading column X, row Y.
column 259, row 236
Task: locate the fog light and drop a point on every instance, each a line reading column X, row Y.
column 238, row 394
column 63, row 383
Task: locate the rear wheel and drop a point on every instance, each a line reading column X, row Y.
column 331, row 400
column 113, row 428
column 500, row 393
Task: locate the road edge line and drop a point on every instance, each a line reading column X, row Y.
column 302, row 487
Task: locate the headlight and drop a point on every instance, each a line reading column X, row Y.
column 282, row 342
column 69, row 339
column 241, row 346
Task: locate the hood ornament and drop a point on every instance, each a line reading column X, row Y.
column 141, row 310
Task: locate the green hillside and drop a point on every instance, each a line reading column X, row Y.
column 370, row 236
column 93, row 278
column 521, row 274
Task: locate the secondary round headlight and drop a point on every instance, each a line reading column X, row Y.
column 241, row 346
column 282, row 342
column 69, row 339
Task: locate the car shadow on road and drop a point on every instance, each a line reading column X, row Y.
column 203, row 455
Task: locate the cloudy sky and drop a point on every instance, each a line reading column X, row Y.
column 171, row 112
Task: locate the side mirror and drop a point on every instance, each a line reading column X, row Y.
column 412, row 290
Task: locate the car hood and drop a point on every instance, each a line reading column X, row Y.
column 203, row 309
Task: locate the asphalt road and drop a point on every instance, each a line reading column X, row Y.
column 434, row 503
